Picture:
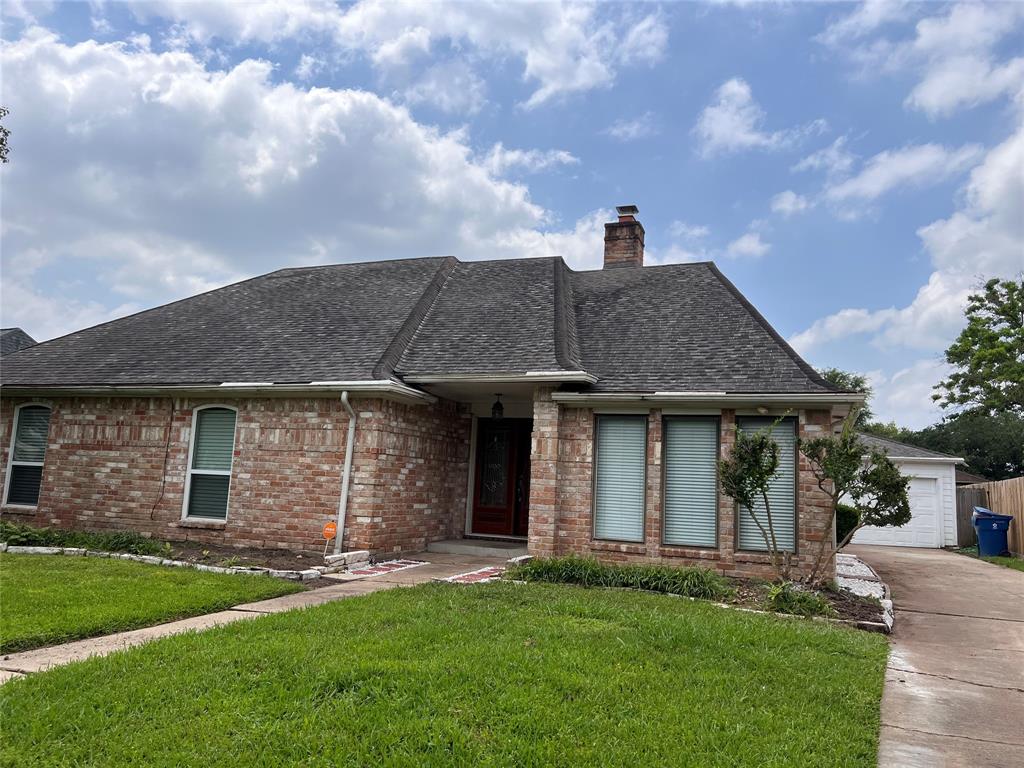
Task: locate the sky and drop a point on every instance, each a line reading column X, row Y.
column 855, row 169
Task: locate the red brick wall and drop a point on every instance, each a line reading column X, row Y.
column 105, row 462
column 571, row 529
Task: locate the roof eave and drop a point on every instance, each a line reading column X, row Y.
column 385, row 388
column 712, row 398
column 575, row 377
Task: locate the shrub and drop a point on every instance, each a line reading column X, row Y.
column 785, row 597
column 689, row 582
column 18, row 535
column 846, row 520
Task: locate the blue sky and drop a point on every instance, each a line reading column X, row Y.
column 854, row 168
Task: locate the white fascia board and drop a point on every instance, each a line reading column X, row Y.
column 708, row 398
column 386, row 388
column 929, row 459
column 506, row 378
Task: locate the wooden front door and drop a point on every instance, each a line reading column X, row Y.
column 501, row 488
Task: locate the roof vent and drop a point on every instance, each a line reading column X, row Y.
column 624, row 239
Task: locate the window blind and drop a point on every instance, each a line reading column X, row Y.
column 691, row 481
column 781, row 492
column 215, row 439
column 619, row 483
column 26, row 471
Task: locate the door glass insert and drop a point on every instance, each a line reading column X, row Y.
column 494, row 471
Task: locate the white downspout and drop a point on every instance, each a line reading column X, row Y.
column 343, row 504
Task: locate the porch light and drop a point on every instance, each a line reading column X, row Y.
column 497, row 410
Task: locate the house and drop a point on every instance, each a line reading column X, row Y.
column 426, row 399
column 963, row 477
column 932, row 497
column 14, row 339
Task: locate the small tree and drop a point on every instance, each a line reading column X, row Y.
column 869, row 481
column 746, row 476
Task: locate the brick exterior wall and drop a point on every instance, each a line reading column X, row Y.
column 570, row 524
column 120, row 463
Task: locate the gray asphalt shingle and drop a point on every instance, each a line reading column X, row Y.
column 681, row 327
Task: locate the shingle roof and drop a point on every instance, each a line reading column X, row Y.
column 14, row 339
column 900, row 450
column 675, row 328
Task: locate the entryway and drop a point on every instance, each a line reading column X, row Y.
column 501, row 479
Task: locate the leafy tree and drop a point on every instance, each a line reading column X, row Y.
column 851, row 382
column 4, row 134
column 869, row 482
column 746, row 475
column 992, row 445
column 989, row 353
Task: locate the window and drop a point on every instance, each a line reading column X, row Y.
column 28, row 449
column 691, row 481
column 781, row 494
column 619, row 482
column 209, row 471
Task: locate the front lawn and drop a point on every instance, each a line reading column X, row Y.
column 496, row 674
column 1016, row 563
column 49, row 599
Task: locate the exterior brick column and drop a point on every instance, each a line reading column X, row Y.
column 652, row 505
column 543, row 527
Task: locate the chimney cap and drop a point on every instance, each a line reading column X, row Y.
column 626, row 210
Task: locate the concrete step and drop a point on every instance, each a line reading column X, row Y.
column 479, row 547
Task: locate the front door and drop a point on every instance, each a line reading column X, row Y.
column 501, row 488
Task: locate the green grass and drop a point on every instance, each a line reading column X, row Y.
column 1016, row 563
column 496, row 674
column 50, row 599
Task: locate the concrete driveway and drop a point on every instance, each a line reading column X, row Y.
column 954, row 687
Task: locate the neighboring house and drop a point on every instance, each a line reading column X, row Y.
column 932, row 497
column 14, row 339
column 425, row 399
column 963, row 477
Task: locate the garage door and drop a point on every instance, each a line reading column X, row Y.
column 923, row 529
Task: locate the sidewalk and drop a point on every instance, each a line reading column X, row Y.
column 438, row 566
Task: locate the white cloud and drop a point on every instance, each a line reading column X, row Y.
column 309, row 67
column 734, row 121
column 865, row 18
column 251, row 175
column 500, row 161
column 637, row 128
column 915, row 165
column 906, row 396
column 789, row 202
column 749, row 245
column 564, row 47
column 684, row 231
column 450, row 86
column 834, row 160
column 963, row 82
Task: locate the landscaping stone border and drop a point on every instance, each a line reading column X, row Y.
column 345, row 561
column 855, row 576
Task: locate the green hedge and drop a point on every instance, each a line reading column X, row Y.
column 690, row 582
column 17, row 535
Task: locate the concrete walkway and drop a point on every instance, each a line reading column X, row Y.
column 954, row 686
column 439, row 566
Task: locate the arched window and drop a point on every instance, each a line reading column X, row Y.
column 28, row 451
column 209, row 464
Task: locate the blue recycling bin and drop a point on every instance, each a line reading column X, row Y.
column 992, row 529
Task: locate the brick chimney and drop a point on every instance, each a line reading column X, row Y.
column 624, row 239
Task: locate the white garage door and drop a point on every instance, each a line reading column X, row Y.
column 922, row 530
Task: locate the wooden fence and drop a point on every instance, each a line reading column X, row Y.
column 967, row 499
column 1007, row 498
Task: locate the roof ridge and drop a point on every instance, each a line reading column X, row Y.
column 802, row 364
column 385, row 367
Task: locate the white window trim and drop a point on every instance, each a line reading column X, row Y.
column 219, row 472
column 10, row 453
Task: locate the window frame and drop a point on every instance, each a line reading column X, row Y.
column 795, row 420
column 11, row 463
column 189, row 471
column 718, row 480
column 593, row 486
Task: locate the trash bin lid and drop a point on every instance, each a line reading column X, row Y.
column 981, row 512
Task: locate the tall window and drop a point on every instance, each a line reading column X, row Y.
column 691, row 481
column 781, row 493
column 619, row 481
column 28, row 449
column 209, row 469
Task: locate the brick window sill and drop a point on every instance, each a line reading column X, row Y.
column 617, row 546
column 210, row 525
column 15, row 509
column 755, row 557
column 692, row 554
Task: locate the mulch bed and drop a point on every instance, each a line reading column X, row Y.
column 212, row 554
